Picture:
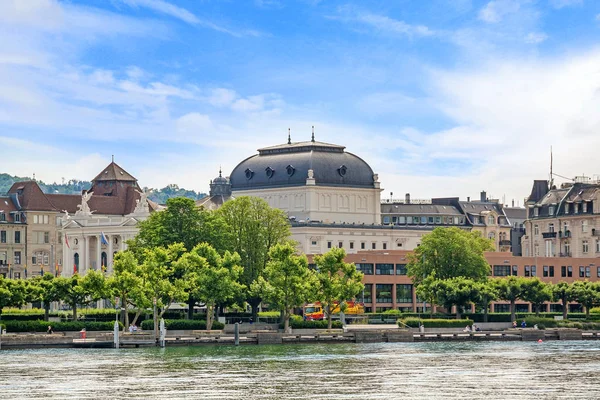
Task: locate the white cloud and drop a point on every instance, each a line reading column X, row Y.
column 381, row 23
column 496, row 10
column 558, row 4
column 535, row 37
column 221, row 97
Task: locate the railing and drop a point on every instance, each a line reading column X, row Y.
column 504, row 242
column 568, row 254
column 548, row 235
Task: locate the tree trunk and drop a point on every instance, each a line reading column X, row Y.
column 587, row 312
column 46, row 311
column 458, row 312
column 137, row 315
column 74, row 311
column 485, row 313
column 209, row 315
column 191, row 304
column 254, row 303
column 329, row 317
column 286, row 321
column 565, row 308
column 513, row 317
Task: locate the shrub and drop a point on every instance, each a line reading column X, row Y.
column 301, row 324
column 541, row 322
column 42, row 326
column 435, row 323
column 269, row 314
column 182, row 324
column 2, row 327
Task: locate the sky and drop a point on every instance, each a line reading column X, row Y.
column 441, row 98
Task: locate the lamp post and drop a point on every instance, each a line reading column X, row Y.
column 155, row 317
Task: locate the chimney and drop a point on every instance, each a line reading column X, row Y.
column 407, row 198
column 513, row 202
column 483, row 196
column 468, row 199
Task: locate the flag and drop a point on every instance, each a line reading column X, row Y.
column 103, row 239
column 74, row 269
column 67, row 241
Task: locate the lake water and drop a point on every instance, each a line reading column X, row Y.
column 487, row 370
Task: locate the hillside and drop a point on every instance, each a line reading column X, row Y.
column 73, row 186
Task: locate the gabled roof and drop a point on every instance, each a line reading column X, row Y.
column 419, row 209
column 113, row 172
column 31, row 197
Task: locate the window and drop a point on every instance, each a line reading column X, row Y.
column 527, row 270
column 438, row 220
column 584, row 225
column 598, row 272
column 2, row 236
column 312, row 243
column 501, row 270
column 362, row 245
column 585, row 246
column 46, row 219
column 366, row 269
column 46, row 259
column 17, row 237
column 552, row 271
column 550, row 227
column 35, row 219
column 351, row 245
column 373, row 245
column 584, row 207
column 563, row 271
column 404, row 293
column 415, row 220
column 551, row 210
column 567, row 248
column 533, row 270
column 569, row 271
column 492, row 235
column 399, row 244
column 386, row 220
column 17, row 217
column 328, row 245
column 367, row 295
column 430, row 220
column 340, row 245
column 2, row 217
column 515, row 270
column 597, row 245
column 384, row 245
column 423, row 220
column 545, row 272
column 491, row 220
column 33, row 260
column 567, row 208
column 536, row 212
column 536, row 230
column 384, row 269
column 400, row 269
column 581, row 272
column 46, row 237
column 394, row 220
column 401, row 220
column 17, row 257
column 383, row 293
column 588, row 273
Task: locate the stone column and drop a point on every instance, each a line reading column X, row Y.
column 84, row 261
column 66, row 257
column 98, row 252
column 109, row 256
column 121, row 242
column 394, row 297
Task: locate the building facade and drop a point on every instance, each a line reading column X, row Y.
column 563, row 222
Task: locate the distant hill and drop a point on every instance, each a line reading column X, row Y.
column 74, row 186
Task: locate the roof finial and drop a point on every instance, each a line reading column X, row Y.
column 113, row 158
column 313, row 134
column 289, row 136
column 220, row 172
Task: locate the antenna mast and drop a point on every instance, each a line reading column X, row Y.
column 551, row 174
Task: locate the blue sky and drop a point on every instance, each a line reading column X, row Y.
column 442, row 98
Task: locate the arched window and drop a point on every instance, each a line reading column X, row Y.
column 103, row 260
column 491, row 235
column 76, row 263
column 491, row 220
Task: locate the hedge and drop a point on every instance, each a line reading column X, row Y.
column 434, row 323
column 42, row 326
column 300, row 324
column 2, row 327
column 182, row 324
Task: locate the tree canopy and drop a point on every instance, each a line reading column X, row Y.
column 448, row 253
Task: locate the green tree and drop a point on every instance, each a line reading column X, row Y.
column 457, row 291
column 485, row 293
column 13, row 293
column 427, row 290
column 182, row 222
column 337, row 281
column 563, row 292
column 536, row 292
column 449, row 253
column 587, row 294
column 71, row 291
column 211, row 278
column 509, row 289
column 256, row 228
column 42, row 288
column 287, row 282
column 127, row 284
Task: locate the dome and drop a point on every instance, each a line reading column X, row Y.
column 289, row 164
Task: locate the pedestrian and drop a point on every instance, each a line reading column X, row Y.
column 49, row 331
column 514, row 324
column 130, row 328
column 523, row 324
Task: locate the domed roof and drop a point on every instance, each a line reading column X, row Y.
column 289, row 165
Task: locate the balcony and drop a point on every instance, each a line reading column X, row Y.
column 504, row 243
column 548, row 235
column 567, row 254
column 564, row 234
column 595, row 232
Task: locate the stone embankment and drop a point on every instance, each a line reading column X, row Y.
column 270, row 336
